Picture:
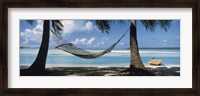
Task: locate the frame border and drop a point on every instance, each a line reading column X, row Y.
column 194, row 91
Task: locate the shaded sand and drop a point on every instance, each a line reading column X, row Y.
column 100, row 71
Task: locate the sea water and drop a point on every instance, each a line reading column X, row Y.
column 117, row 58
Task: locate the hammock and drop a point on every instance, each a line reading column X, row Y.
column 72, row 49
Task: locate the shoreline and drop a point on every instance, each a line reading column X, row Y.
column 101, row 71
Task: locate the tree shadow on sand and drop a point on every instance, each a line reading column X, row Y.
column 105, row 71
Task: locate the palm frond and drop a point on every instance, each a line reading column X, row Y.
column 119, row 21
column 57, row 35
column 164, row 24
column 103, row 25
column 30, row 21
column 149, row 24
column 57, row 27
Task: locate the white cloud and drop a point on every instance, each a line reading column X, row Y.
column 99, row 44
column 71, row 26
column 32, row 36
column 84, row 41
column 88, row 26
column 165, row 42
column 122, row 43
column 90, row 41
column 102, row 42
column 105, row 38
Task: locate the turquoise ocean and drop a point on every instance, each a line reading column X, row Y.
column 117, row 58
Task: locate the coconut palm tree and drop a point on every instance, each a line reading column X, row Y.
column 104, row 25
column 40, row 61
column 136, row 65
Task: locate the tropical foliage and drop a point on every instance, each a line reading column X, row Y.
column 104, row 25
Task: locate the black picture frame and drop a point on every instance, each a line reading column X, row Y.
column 194, row 4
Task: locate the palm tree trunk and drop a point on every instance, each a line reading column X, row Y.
column 135, row 57
column 40, row 61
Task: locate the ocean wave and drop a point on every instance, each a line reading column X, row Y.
column 114, row 52
column 164, row 52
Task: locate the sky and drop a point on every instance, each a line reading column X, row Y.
column 85, row 34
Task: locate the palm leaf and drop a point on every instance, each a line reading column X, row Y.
column 30, row 21
column 57, row 27
column 103, row 25
column 57, row 35
column 164, row 24
column 149, row 24
column 119, row 21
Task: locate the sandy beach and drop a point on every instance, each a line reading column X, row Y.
column 101, row 71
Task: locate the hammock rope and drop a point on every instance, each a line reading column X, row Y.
column 72, row 49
